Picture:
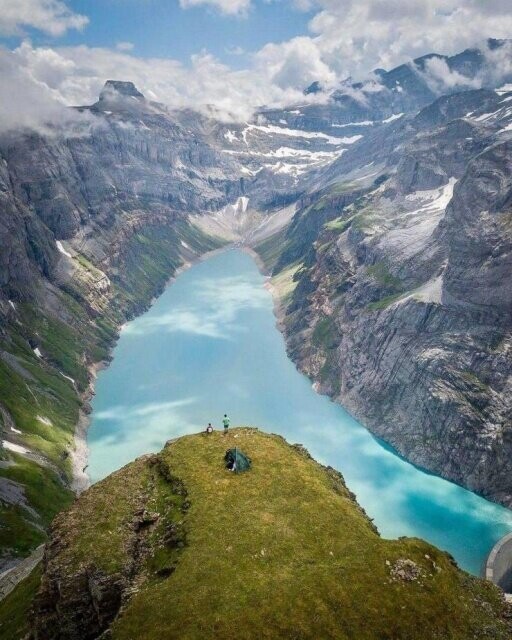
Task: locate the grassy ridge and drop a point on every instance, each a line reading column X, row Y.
column 282, row 551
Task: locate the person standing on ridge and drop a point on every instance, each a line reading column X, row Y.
column 226, row 421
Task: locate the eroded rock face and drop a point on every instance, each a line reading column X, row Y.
column 82, row 593
column 477, row 232
column 402, row 310
column 78, row 607
column 25, row 243
column 124, row 156
column 77, row 602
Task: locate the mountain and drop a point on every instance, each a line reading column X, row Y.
column 405, row 89
column 174, row 545
column 401, row 304
column 93, row 223
column 383, row 212
column 314, row 87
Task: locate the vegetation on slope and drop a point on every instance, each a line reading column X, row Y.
column 43, row 391
column 270, row 249
column 190, row 550
column 15, row 608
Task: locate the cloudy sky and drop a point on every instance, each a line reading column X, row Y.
column 235, row 54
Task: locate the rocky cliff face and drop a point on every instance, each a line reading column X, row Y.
column 92, row 225
column 401, row 309
column 80, row 599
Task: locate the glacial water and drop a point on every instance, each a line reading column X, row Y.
column 209, row 345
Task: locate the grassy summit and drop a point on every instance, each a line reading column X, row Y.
column 187, row 549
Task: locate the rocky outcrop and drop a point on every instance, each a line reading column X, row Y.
column 89, row 601
column 119, row 88
column 81, row 594
column 10, row 578
column 402, row 309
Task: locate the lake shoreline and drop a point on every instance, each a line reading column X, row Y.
column 279, row 311
column 193, row 321
column 79, row 456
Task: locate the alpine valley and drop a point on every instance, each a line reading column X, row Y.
column 383, row 213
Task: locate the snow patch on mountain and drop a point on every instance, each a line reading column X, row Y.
column 364, row 123
column 405, row 234
column 392, row 118
column 16, row 448
column 230, row 136
column 298, row 133
column 61, row 249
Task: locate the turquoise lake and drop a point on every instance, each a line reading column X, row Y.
column 209, row 346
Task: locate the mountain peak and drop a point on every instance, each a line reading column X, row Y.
column 314, row 87
column 114, row 88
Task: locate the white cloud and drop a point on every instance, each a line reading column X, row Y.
column 75, row 76
column 355, row 36
column 50, row 16
column 350, row 38
column 500, row 62
column 235, row 51
column 440, row 78
column 346, row 38
column 229, row 7
column 30, row 102
column 124, row 46
column 212, row 312
column 295, row 64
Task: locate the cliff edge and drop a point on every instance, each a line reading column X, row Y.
column 175, row 546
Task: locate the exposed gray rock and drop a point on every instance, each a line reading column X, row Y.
column 14, row 575
column 415, row 294
column 113, row 87
column 405, row 570
column 477, row 233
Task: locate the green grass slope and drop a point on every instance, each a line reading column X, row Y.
column 176, row 546
column 40, row 397
column 15, row 608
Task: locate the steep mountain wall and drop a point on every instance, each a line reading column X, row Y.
column 401, row 308
column 92, row 225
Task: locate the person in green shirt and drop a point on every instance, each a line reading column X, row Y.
column 226, row 421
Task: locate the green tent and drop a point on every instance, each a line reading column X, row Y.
column 237, row 461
